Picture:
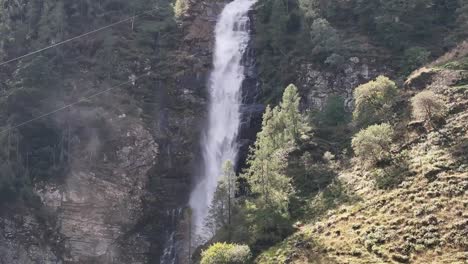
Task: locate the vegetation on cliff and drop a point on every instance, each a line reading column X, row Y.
column 381, row 179
column 397, row 195
column 40, row 150
column 401, row 34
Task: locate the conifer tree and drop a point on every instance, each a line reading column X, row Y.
column 223, row 203
column 282, row 129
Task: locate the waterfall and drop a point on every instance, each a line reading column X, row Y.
column 219, row 143
column 170, row 255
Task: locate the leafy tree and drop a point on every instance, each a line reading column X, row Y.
column 428, row 106
column 374, row 101
column 223, row 253
column 372, row 145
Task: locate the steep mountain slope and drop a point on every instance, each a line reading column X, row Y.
column 423, row 219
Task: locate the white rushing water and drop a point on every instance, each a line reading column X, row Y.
column 219, row 142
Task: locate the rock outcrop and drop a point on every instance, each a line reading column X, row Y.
column 317, row 84
column 129, row 154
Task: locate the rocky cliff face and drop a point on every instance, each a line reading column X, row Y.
column 124, row 159
column 128, row 154
column 318, row 83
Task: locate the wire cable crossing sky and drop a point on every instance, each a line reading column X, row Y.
column 76, row 37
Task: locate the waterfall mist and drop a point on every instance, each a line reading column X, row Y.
column 219, row 142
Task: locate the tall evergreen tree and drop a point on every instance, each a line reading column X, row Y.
column 282, row 129
column 223, row 203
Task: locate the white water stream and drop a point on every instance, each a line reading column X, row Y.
column 219, row 143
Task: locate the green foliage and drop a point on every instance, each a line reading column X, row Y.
column 310, row 174
column 41, row 83
column 290, row 120
column 223, row 253
column 389, row 177
column 392, row 175
column 392, row 23
column 324, row 39
column 428, row 106
column 329, row 198
column 414, row 57
column 374, row 101
column 334, row 112
column 372, row 145
column 280, row 41
column 459, row 64
column 462, row 20
column 279, row 27
column 282, row 129
column 266, row 175
column 223, row 203
column 266, row 224
column 336, row 61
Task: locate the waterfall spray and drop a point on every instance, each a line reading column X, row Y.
column 219, row 143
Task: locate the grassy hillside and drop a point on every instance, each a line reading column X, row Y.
column 424, row 218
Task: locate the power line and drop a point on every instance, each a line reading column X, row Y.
column 77, row 37
column 132, row 80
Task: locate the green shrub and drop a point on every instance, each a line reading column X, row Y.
column 324, row 38
column 372, row 145
column 334, row 113
column 223, row 253
column 335, row 60
column 415, row 57
column 374, row 101
column 334, row 195
column 389, row 177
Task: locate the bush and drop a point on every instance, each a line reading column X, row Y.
column 372, row 145
column 334, row 195
column 334, row 113
column 390, row 177
column 324, row 38
column 223, row 253
column 180, row 8
column 428, row 106
column 415, row 57
column 336, row 61
column 374, row 101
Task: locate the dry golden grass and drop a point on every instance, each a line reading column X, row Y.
column 423, row 220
